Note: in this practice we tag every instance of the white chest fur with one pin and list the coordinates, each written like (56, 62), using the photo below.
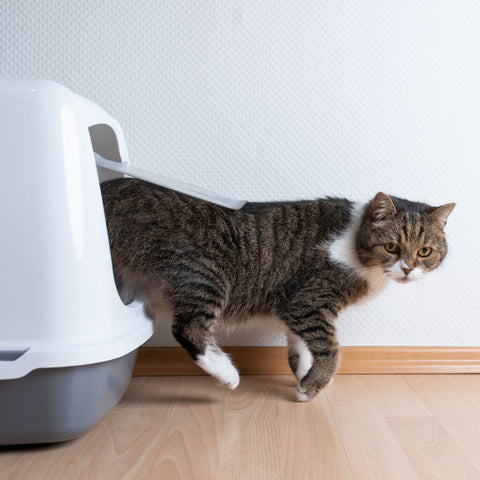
(342, 250)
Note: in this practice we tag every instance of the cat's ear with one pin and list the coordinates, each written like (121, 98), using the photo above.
(383, 207)
(439, 215)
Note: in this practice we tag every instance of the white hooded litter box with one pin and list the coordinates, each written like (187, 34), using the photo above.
(67, 342)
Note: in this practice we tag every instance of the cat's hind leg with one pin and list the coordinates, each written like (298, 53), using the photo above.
(218, 364)
(193, 331)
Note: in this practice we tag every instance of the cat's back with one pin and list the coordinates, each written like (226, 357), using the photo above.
(144, 208)
(130, 195)
(137, 205)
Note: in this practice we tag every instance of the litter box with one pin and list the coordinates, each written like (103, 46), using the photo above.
(67, 342)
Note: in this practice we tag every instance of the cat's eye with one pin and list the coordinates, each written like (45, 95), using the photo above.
(392, 247)
(424, 252)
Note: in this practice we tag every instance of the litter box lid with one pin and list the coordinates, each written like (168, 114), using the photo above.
(133, 329)
(59, 305)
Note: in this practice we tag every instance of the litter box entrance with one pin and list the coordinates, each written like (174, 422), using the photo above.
(105, 143)
(110, 165)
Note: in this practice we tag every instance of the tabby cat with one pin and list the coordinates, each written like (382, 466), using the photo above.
(302, 261)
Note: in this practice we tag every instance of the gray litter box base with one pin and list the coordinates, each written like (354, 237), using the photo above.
(57, 404)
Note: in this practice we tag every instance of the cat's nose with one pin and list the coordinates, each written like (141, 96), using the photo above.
(406, 270)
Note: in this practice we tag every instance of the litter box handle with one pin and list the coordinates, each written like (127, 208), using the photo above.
(93, 114)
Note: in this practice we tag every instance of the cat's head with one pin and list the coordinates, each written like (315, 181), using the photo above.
(405, 239)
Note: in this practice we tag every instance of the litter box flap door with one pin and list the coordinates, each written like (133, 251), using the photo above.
(56, 279)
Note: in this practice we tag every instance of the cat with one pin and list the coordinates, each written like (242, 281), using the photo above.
(302, 261)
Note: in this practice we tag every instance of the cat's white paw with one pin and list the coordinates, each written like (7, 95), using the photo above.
(301, 395)
(230, 382)
(301, 392)
(218, 364)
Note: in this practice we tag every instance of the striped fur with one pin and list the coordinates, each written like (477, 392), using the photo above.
(215, 266)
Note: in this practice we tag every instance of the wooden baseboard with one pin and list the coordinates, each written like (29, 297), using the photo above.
(355, 360)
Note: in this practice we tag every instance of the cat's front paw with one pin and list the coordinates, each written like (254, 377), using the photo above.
(307, 390)
(301, 394)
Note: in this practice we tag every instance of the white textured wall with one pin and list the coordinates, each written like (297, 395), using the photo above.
(283, 100)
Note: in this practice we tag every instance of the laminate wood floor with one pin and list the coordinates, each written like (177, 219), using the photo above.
(370, 427)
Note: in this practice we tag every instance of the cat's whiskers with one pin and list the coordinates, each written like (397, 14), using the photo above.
(375, 283)
(360, 272)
